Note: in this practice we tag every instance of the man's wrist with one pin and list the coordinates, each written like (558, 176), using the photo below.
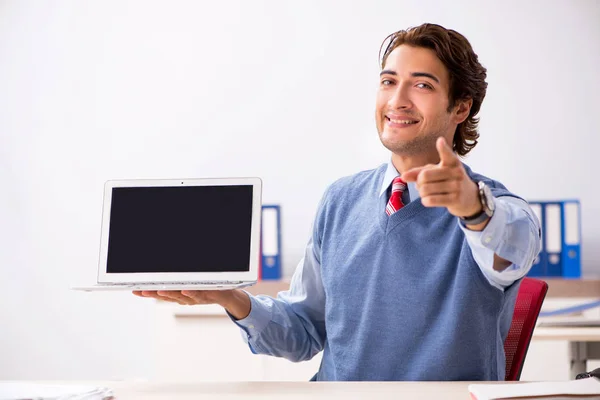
(473, 214)
(478, 227)
(477, 206)
(485, 205)
(237, 303)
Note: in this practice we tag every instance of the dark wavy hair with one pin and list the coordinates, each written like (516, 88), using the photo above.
(467, 75)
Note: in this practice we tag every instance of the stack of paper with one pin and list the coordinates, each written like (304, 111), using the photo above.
(588, 388)
(33, 391)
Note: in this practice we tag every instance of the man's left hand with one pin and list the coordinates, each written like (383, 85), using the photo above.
(446, 184)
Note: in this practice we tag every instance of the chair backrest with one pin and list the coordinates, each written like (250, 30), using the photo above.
(527, 308)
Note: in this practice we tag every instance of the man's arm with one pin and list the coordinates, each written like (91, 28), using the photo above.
(499, 264)
(508, 243)
(292, 325)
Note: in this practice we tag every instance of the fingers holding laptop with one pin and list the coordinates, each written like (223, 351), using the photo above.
(184, 297)
(154, 295)
(236, 302)
(172, 296)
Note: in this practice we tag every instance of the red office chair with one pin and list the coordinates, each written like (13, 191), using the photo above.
(527, 308)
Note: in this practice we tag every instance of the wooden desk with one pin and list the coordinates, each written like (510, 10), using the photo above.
(287, 390)
(584, 344)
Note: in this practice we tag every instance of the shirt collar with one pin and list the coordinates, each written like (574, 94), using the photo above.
(390, 174)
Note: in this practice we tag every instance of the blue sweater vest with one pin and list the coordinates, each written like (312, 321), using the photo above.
(405, 300)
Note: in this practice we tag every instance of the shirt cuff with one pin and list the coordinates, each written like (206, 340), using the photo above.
(257, 320)
(492, 235)
(484, 244)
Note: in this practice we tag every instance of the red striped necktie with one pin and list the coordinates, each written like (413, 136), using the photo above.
(395, 201)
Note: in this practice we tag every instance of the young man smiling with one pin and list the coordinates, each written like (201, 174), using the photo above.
(412, 268)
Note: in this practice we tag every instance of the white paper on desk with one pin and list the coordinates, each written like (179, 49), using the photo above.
(34, 391)
(588, 388)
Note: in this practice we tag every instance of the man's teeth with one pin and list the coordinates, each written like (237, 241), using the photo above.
(402, 121)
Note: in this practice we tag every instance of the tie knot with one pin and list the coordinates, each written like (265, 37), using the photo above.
(398, 184)
(395, 201)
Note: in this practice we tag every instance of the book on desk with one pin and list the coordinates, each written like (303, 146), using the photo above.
(588, 388)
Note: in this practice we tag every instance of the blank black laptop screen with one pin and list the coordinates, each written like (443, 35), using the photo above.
(180, 229)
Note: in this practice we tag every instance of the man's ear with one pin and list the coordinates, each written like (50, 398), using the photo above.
(462, 109)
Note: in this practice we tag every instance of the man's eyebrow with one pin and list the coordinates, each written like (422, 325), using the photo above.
(426, 75)
(413, 74)
(387, 72)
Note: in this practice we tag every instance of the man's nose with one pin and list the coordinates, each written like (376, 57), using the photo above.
(400, 98)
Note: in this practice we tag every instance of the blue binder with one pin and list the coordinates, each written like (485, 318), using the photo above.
(561, 239)
(271, 242)
(540, 264)
(571, 239)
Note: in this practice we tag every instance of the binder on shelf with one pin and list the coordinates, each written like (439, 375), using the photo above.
(561, 239)
(554, 238)
(571, 239)
(540, 264)
(270, 263)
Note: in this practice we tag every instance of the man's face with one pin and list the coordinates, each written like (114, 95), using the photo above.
(412, 102)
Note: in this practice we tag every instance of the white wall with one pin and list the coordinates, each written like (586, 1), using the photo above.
(91, 91)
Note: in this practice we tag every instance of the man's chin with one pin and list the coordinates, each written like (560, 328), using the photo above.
(408, 147)
(395, 142)
(397, 147)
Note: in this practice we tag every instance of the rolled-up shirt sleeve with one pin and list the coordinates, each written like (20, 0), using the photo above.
(513, 233)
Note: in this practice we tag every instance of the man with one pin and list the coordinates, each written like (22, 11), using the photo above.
(412, 269)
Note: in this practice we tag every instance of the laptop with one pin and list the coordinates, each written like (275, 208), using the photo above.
(186, 234)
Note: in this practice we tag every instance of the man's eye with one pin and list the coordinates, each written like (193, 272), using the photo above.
(386, 82)
(424, 86)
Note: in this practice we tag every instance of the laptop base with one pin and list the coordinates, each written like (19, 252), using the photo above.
(166, 286)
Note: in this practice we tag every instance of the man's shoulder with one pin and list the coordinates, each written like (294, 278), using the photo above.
(359, 179)
(497, 187)
(475, 176)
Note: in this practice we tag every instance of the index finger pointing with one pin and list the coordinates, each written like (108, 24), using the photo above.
(447, 156)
